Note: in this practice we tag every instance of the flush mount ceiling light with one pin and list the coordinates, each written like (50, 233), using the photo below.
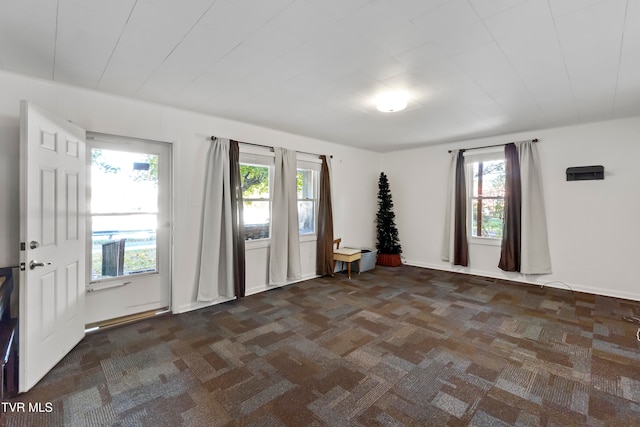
(390, 102)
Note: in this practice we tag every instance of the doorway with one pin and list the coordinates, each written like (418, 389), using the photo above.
(128, 228)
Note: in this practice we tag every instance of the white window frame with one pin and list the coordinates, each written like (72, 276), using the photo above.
(471, 157)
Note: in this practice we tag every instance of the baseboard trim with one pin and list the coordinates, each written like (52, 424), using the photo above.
(517, 277)
(248, 291)
(263, 288)
(198, 305)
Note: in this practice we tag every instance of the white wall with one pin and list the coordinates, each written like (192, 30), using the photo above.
(355, 171)
(594, 226)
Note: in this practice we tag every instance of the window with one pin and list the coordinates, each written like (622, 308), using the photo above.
(256, 179)
(307, 200)
(486, 207)
(257, 200)
(123, 213)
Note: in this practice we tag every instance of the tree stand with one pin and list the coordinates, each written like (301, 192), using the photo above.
(389, 260)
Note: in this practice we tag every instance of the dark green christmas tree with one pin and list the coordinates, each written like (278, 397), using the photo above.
(387, 233)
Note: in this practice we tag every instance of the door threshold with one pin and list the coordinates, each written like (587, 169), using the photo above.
(118, 321)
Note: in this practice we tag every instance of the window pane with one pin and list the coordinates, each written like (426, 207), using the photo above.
(474, 217)
(493, 178)
(306, 216)
(306, 208)
(123, 182)
(255, 181)
(256, 219)
(488, 192)
(474, 187)
(305, 184)
(255, 185)
(492, 218)
(115, 235)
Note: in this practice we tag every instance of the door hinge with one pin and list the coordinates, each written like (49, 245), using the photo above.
(23, 266)
(23, 246)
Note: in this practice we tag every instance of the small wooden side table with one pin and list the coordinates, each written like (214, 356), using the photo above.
(347, 255)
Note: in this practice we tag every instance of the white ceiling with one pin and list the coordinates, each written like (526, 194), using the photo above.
(473, 67)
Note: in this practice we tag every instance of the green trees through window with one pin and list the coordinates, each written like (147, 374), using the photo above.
(124, 206)
(257, 200)
(487, 198)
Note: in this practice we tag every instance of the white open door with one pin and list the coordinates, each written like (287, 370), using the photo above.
(52, 235)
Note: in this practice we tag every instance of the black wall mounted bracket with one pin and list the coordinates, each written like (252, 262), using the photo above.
(584, 173)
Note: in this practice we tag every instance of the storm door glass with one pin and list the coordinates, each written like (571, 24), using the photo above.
(124, 213)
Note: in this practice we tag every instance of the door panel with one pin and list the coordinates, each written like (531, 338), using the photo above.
(73, 209)
(47, 190)
(52, 200)
(74, 287)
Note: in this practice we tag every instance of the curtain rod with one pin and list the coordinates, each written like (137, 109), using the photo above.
(213, 138)
(495, 145)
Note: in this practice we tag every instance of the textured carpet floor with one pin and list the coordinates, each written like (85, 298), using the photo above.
(391, 347)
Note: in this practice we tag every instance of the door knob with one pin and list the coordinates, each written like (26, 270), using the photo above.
(33, 244)
(33, 264)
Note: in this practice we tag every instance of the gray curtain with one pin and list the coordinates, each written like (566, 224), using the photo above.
(284, 259)
(525, 247)
(214, 273)
(237, 223)
(534, 241)
(447, 239)
(324, 244)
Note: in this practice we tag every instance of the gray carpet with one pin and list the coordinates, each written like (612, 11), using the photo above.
(391, 347)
